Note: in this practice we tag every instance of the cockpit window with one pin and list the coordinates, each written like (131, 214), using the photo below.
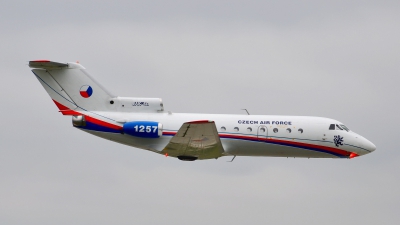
(332, 127)
(344, 127)
(339, 127)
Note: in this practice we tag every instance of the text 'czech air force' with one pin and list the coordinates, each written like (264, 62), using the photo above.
(264, 122)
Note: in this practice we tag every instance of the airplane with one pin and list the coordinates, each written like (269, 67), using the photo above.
(142, 123)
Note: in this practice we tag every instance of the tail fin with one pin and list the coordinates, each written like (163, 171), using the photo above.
(71, 87)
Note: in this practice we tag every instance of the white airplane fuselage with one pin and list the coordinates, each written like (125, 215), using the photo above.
(242, 135)
(143, 123)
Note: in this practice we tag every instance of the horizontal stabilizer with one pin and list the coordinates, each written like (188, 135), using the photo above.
(47, 64)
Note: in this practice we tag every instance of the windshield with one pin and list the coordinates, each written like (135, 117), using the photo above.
(344, 127)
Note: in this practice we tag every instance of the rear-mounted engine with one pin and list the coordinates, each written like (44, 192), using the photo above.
(78, 121)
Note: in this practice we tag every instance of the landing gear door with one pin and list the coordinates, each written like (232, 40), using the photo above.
(262, 133)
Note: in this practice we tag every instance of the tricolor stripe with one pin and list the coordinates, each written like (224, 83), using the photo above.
(99, 125)
(91, 122)
(302, 145)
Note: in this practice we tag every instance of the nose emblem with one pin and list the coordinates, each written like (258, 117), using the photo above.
(338, 140)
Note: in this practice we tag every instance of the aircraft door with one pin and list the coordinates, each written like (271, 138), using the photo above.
(262, 133)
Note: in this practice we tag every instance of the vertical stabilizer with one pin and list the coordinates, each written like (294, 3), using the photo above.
(71, 87)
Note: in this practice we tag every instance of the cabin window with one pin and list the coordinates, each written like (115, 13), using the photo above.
(249, 129)
(223, 128)
(332, 127)
(300, 130)
(289, 130)
(236, 129)
(275, 130)
(262, 130)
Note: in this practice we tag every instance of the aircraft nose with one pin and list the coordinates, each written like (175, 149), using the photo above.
(370, 146)
(366, 144)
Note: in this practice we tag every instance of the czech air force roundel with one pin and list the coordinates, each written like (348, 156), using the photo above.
(86, 91)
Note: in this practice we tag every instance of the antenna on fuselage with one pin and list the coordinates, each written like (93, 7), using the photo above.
(246, 111)
(232, 159)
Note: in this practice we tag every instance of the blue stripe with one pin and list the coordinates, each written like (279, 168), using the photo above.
(290, 145)
(283, 144)
(309, 148)
(96, 127)
(284, 138)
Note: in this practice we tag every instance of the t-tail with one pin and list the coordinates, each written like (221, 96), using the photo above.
(75, 92)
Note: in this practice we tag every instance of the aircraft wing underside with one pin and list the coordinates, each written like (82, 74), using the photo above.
(195, 140)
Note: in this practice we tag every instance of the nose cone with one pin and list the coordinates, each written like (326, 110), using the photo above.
(369, 145)
(366, 144)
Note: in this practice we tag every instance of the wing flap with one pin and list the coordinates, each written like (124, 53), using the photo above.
(198, 139)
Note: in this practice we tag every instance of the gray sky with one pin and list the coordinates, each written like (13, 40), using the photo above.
(336, 59)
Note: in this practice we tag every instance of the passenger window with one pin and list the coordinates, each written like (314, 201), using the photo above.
(300, 130)
(249, 129)
(275, 130)
(289, 130)
(236, 129)
(262, 129)
(332, 127)
(223, 128)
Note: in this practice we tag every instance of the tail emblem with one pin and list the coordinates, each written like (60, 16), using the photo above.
(86, 91)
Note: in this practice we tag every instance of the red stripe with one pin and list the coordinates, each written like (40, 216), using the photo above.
(200, 121)
(66, 111)
(242, 137)
(70, 113)
(277, 141)
(41, 60)
(60, 106)
(300, 144)
(168, 133)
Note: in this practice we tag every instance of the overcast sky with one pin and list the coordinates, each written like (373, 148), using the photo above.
(336, 59)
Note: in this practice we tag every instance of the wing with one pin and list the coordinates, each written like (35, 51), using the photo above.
(195, 140)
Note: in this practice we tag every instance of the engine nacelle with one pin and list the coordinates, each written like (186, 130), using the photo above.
(78, 121)
(144, 129)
